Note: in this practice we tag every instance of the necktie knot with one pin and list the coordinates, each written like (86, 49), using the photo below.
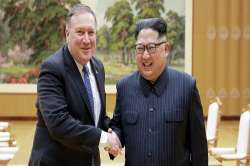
(85, 70)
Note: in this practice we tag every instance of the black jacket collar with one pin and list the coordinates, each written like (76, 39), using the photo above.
(158, 87)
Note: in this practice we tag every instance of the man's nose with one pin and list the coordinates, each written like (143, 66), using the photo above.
(145, 54)
(85, 38)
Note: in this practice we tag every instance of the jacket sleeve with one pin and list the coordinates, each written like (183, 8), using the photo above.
(197, 135)
(106, 119)
(115, 122)
(54, 110)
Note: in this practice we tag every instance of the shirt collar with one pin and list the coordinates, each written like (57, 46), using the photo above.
(157, 88)
(80, 67)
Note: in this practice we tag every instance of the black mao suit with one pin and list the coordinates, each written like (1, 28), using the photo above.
(160, 124)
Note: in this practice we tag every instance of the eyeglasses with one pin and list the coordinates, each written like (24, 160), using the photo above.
(151, 47)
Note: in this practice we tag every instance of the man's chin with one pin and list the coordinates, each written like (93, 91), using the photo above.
(86, 56)
(86, 53)
(147, 75)
(84, 59)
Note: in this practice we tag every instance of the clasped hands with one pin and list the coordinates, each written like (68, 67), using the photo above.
(113, 143)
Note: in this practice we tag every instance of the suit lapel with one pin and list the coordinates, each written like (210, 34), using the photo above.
(74, 73)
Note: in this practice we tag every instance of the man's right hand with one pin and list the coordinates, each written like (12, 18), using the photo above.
(113, 143)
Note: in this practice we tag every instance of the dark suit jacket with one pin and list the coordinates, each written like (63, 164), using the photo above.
(160, 125)
(65, 133)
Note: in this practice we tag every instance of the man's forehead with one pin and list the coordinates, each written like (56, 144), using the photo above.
(148, 32)
(83, 19)
(147, 35)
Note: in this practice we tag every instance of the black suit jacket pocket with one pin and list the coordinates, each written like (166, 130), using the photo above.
(174, 116)
(131, 117)
(175, 125)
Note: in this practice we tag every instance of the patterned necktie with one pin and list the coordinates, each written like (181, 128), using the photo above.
(87, 85)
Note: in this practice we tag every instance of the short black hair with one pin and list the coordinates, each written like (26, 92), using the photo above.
(157, 24)
(79, 8)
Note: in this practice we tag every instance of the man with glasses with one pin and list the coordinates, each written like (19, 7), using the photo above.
(158, 115)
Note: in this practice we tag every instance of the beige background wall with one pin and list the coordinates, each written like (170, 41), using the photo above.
(221, 52)
(17, 105)
(18, 101)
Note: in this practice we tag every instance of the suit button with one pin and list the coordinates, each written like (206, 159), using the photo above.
(150, 130)
(151, 109)
(149, 154)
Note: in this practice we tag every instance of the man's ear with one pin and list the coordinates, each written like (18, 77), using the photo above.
(167, 48)
(67, 34)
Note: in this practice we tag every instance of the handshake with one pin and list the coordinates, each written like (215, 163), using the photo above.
(113, 145)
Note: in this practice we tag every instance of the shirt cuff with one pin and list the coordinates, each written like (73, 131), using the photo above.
(104, 138)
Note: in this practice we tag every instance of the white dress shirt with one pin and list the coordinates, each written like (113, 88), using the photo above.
(96, 98)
